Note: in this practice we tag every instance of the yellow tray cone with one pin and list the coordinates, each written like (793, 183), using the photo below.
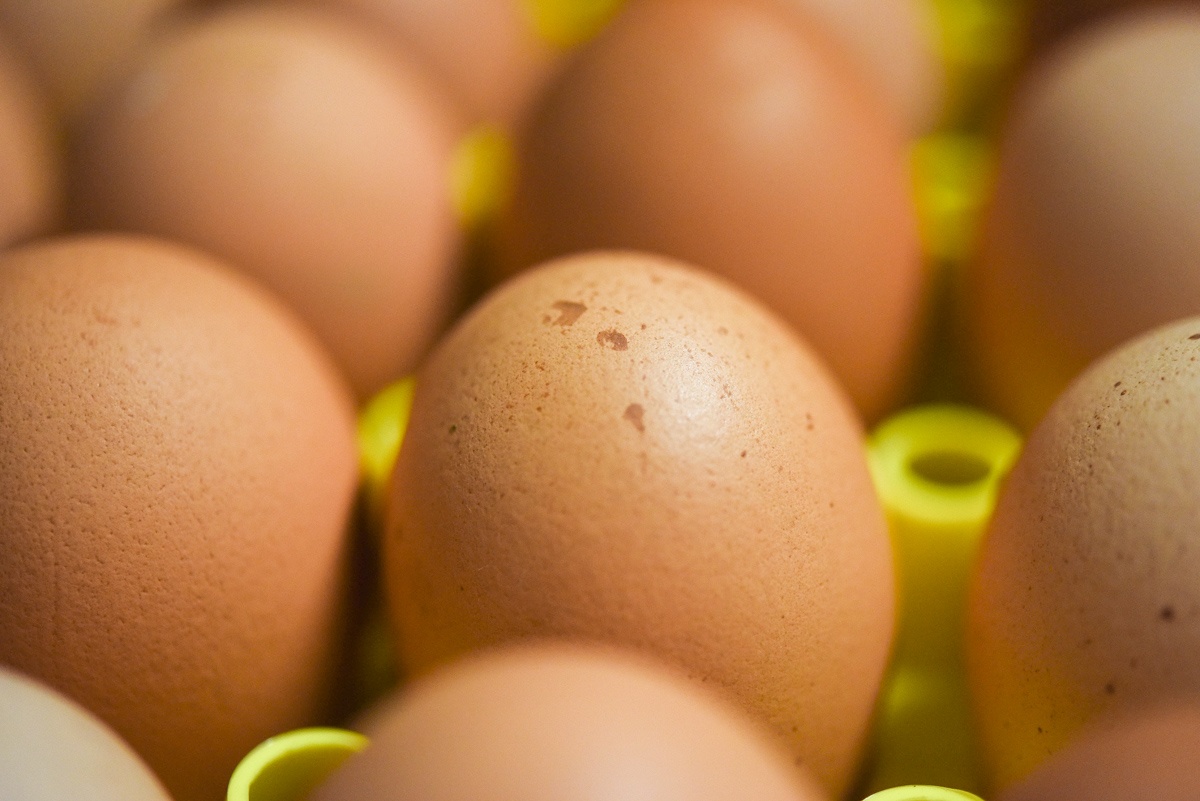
(292, 765)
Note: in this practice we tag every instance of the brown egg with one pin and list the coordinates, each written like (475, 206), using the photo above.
(553, 722)
(895, 43)
(733, 136)
(616, 447)
(1151, 756)
(286, 143)
(77, 45)
(29, 161)
(53, 749)
(177, 468)
(487, 51)
(1090, 238)
(1086, 597)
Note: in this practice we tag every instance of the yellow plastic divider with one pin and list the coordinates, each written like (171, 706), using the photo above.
(922, 792)
(937, 470)
(381, 426)
(292, 765)
(569, 23)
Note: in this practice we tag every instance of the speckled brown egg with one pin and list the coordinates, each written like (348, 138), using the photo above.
(734, 135)
(618, 447)
(29, 159)
(288, 143)
(53, 749)
(1090, 238)
(177, 467)
(1153, 755)
(1086, 598)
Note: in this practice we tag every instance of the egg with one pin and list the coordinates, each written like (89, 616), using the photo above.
(735, 137)
(1090, 238)
(76, 46)
(30, 192)
(894, 41)
(51, 749)
(617, 447)
(1086, 597)
(177, 471)
(291, 145)
(551, 722)
(495, 55)
(1150, 756)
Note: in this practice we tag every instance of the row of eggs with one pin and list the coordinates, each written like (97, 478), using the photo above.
(1027, 323)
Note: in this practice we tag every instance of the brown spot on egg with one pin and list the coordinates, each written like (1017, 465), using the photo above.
(1194, 336)
(613, 339)
(568, 312)
(634, 413)
(1167, 614)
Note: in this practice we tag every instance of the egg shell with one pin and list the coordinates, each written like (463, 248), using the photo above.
(1086, 597)
(487, 52)
(616, 447)
(1150, 756)
(52, 749)
(76, 46)
(551, 722)
(893, 41)
(736, 137)
(177, 469)
(1090, 237)
(30, 180)
(294, 146)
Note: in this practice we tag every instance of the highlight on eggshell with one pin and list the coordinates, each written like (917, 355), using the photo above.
(289, 766)
(937, 469)
(1084, 598)
(51, 749)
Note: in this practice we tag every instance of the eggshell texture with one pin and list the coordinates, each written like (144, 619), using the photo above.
(614, 447)
(1151, 756)
(29, 164)
(1086, 597)
(285, 142)
(552, 722)
(734, 136)
(487, 51)
(177, 468)
(53, 749)
(75, 46)
(894, 42)
(1091, 237)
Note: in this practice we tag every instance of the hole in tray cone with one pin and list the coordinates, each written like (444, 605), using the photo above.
(937, 470)
(290, 766)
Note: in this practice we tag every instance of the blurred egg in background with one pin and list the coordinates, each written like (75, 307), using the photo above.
(740, 138)
(288, 142)
(30, 162)
(547, 722)
(1090, 237)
